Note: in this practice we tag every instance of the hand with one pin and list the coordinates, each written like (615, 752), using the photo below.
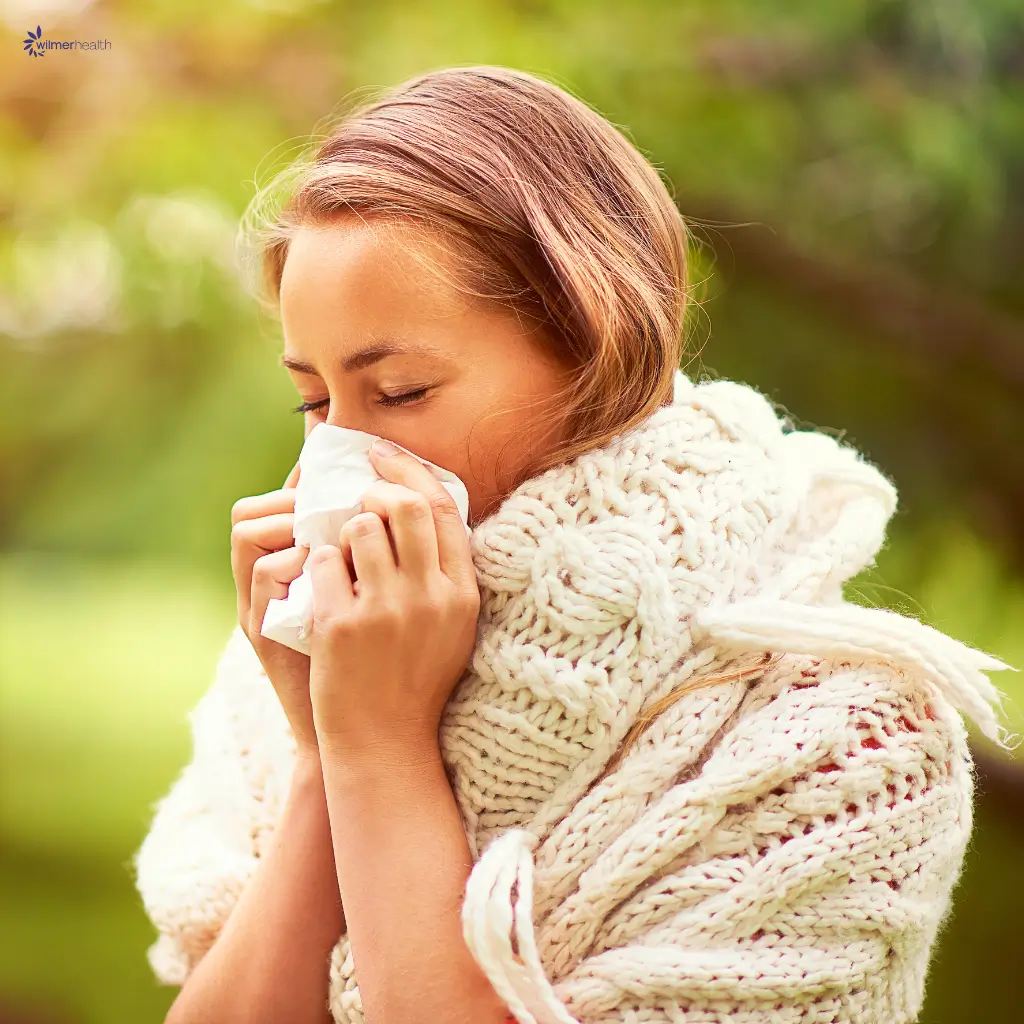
(264, 560)
(395, 609)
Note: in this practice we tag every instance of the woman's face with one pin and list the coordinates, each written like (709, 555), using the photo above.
(377, 342)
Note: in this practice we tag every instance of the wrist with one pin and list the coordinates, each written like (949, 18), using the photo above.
(307, 768)
(307, 751)
(392, 757)
(307, 788)
(364, 746)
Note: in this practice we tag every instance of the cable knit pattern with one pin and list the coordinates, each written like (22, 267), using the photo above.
(779, 844)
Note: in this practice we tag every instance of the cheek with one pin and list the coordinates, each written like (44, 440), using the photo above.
(495, 459)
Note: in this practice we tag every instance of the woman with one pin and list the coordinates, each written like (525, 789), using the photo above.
(625, 753)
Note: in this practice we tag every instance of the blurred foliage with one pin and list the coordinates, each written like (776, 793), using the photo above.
(854, 177)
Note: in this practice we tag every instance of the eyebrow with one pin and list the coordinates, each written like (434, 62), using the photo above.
(372, 353)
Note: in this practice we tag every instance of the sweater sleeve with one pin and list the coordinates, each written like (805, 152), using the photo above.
(205, 836)
(801, 875)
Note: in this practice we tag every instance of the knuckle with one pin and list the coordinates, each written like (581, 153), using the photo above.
(443, 505)
(239, 510)
(378, 489)
(363, 523)
(321, 553)
(428, 604)
(413, 505)
(261, 570)
(241, 532)
(468, 600)
(385, 612)
(332, 626)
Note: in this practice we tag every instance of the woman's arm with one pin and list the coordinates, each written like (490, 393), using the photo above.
(271, 961)
(402, 861)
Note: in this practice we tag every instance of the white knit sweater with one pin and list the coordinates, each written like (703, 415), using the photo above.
(779, 845)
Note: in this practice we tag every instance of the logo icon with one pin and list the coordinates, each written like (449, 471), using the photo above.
(32, 44)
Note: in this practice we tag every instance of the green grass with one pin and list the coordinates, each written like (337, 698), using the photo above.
(99, 667)
(72, 943)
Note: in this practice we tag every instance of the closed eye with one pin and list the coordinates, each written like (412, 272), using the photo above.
(402, 399)
(386, 400)
(312, 406)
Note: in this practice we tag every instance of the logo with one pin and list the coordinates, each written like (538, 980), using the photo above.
(33, 45)
(37, 46)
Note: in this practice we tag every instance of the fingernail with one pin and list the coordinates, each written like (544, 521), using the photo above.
(383, 448)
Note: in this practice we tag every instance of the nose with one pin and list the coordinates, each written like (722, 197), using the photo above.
(337, 418)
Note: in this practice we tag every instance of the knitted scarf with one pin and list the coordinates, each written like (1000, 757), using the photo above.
(697, 783)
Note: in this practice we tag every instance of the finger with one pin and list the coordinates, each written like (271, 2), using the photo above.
(331, 582)
(258, 505)
(251, 538)
(267, 533)
(452, 541)
(365, 538)
(410, 525)
(271, 576)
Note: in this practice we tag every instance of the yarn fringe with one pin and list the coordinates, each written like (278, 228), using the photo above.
(489, 919)
(854, 632)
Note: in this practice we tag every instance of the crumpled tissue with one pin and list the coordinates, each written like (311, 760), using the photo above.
(334, 472)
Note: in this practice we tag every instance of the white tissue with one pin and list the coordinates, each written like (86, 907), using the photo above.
(334, 472)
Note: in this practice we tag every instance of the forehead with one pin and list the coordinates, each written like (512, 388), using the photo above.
(349, 285)
(351, 260)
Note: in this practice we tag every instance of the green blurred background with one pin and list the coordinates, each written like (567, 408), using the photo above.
(855, 176)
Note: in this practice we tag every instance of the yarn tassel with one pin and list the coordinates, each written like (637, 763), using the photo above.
(488, 918)
(844, 630)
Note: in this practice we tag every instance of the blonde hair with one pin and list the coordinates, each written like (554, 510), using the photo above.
(549, 209)
(644, 721)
